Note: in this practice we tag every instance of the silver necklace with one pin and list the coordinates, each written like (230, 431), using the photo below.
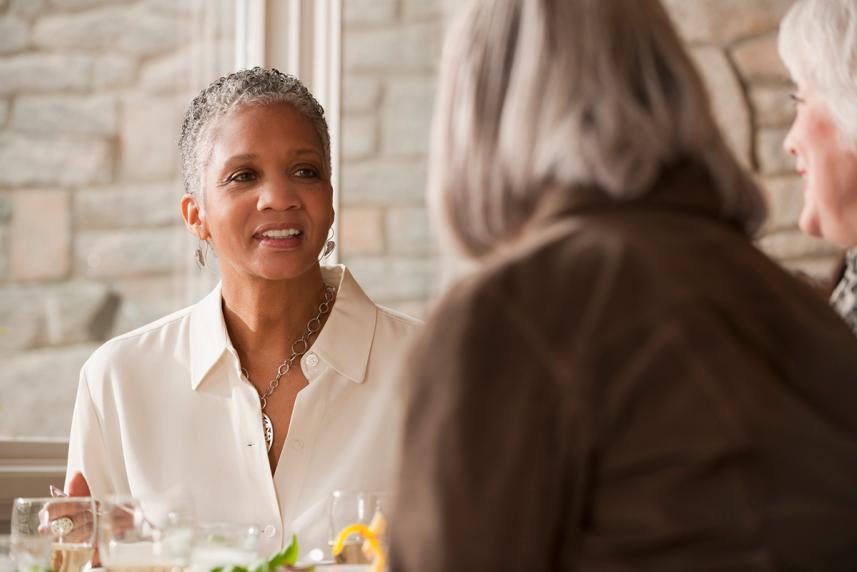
(299, 348)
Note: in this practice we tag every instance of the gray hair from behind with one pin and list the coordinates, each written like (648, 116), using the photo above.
(256, 86)
(818, 43)
(543, 95)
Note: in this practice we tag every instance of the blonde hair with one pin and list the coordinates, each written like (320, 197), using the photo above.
(818, 43)
(538, 95)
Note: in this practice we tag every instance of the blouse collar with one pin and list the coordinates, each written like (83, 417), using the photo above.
(343, 343)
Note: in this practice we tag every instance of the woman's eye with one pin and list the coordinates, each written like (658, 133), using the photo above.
(307, 173)
(242, 177)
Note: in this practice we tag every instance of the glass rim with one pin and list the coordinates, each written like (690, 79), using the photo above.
(52, 499)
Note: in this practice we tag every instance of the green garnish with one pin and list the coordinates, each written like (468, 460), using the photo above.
(283, 559)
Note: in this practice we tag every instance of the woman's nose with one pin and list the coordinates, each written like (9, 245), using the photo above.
(278, 194)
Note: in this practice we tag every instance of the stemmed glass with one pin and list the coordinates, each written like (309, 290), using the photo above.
(139, 536)
(357, 507)
(53, 534)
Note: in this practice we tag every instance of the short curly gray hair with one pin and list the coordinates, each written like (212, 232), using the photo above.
(256, 86)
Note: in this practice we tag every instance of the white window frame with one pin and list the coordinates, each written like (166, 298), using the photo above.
(303, 38)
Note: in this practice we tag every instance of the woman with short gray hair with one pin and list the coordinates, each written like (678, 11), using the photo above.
(279, 387)
(625, 382)
(818, 43)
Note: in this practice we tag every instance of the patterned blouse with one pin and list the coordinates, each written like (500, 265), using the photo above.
(844, 297)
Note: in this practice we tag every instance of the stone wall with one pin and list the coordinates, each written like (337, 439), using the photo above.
(91, 92)
(390, 52)
(91, 97)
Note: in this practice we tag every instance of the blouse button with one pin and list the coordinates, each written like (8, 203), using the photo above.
(270, 531)
(311, 360)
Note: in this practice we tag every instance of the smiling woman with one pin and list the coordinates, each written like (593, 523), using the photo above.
(280, 386)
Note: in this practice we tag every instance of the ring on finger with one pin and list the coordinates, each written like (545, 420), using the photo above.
(62, 526)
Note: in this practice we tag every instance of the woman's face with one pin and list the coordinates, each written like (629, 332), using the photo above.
(829, 170)
(268, 203)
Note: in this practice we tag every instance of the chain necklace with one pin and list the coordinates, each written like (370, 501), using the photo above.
(299, 348)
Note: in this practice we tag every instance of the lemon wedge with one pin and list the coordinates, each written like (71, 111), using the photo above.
(378, 560)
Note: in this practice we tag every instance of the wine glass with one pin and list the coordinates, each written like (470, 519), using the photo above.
(358, 507)
(138, 536)
(53, 534)
(224, 545)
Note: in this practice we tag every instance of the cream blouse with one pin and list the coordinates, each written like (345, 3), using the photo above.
(163, 410)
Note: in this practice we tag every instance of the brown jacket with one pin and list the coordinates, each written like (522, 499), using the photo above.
(636, 388)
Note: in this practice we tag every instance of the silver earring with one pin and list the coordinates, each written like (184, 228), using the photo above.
(329, 245)
(199, 255)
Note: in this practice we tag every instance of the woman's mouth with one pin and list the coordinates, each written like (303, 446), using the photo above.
(284, 238)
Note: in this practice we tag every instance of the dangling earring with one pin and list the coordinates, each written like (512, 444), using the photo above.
(329, 245)
(199, 255)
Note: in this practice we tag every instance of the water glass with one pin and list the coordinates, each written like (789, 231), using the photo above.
(224, 545)
(151, 536)
(356, 507)
(53, 533)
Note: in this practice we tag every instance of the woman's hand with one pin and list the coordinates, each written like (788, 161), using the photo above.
(70, 520)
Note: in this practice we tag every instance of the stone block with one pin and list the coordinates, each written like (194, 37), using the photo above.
(758, 59)
(111, 71)
(38, 389)
(137, 252)
(785, 202)
(360, 94)
(51, 114)
(772, 157)
(5, 207)
(772, 106)
(176, 71)
(14, 35)
(79, 4)
(408, 231)
(27, 8)
(725, 21)
(129, 206)
(184, 8)
(127, 29)
(144, 300)
(409, 47)
(361, 231)
(39, 73)
(359, 137)
(41, 235)
(414, 10)
(4, 251)
(793, 244)
(149, 131)
(406, 120)
(67, 313)
(382, 182)
(820, 270)
(388, 280)
(372, 12)
(728, 100)
(53, 161)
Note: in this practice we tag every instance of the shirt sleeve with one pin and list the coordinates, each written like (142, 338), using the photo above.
(482, 477)
(87, 453)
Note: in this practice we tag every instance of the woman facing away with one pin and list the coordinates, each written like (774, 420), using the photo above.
(280, 385)
(627, 382)
(818, 43)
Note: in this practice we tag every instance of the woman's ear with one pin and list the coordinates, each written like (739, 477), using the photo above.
(193, 217)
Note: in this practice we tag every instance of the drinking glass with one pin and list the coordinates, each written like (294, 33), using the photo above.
(6, 562)
(53, 534)
(137, 536)
(225, 545)
(357, 507)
